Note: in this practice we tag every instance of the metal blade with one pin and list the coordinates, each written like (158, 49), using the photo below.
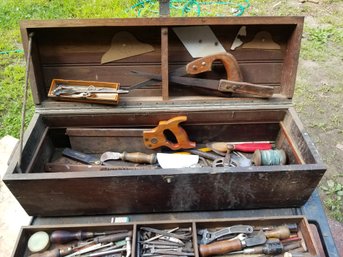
(187, 81)
(110, 156)
(259, 239)
(81, 157)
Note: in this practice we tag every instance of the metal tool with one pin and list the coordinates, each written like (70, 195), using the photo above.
(90, 159)
(172, 242)
(248, 147)
(222, 161)
(84, 91)
(232, 84)
(231, 245)
(239, 160)
(208, 237)
(271, 247)
(156, 137)
(82, 157)
(136, 157)
(66, 167)
(199, 41)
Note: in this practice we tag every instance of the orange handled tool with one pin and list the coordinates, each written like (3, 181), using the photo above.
(156, 137)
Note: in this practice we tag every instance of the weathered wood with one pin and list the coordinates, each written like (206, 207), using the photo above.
(66, 194)
(72, 50)
(195, 224)
(164, 63)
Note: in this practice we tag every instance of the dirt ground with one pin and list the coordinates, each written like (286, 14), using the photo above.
(318, 96)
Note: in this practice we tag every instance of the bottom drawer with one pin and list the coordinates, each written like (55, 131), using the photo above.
(281, 236)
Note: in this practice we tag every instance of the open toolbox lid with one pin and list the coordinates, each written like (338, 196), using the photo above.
(73, 49)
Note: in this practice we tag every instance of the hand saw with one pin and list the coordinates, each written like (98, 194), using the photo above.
(233, 83)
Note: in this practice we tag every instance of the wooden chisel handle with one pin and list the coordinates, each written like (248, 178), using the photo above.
(281, 232)
(138, 157)
(220, 247)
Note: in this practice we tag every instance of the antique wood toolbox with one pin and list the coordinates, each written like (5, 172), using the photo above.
(267, 236)
(73, 50)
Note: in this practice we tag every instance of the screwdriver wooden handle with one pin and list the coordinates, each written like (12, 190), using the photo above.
(62, 236)
(281, 232)
(220, 247)
(138, 157)
(54, 253)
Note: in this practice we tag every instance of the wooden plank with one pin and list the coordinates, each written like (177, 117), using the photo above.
(179, 21)
(68, 196)
(87, 45)
(151, 119)
(291, 143)
(164, 63)
(289, 71)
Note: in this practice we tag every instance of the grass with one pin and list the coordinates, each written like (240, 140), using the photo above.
(334, 199)
(322, 42)
(12, 65)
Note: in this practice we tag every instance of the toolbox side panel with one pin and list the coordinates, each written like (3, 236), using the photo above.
(165, 192)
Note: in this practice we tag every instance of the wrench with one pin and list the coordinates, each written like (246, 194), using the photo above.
(208, 237)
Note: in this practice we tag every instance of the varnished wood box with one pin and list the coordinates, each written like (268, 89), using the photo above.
(72, 50)
(306, 242)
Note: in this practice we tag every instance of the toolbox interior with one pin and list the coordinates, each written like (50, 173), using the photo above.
(201, 127)
(70, 51)
(304, 231)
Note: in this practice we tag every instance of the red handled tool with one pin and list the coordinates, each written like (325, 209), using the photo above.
(242, 147)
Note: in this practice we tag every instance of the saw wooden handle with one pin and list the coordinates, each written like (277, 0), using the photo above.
(138, 157)
(204, 64)
(155, 137)
(245, 88)
(220, 247)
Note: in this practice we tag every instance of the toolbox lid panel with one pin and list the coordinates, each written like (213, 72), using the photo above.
(72, 50)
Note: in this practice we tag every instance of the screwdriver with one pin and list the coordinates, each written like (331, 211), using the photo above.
(62, 236)
(242, 147)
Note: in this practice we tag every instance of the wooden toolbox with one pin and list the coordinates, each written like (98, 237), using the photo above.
(73, 49)
(276, 236)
